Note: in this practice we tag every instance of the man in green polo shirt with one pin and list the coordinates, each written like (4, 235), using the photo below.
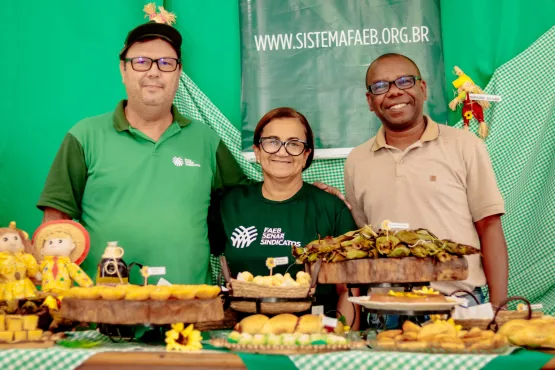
(143, 174)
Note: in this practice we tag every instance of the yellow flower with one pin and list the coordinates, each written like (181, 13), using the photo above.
(468, 115)
(270, 263)
(180, 339)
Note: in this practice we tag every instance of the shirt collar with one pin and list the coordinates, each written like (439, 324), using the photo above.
(430, 133)
(121, 123)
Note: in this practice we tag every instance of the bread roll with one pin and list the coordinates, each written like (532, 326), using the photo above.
(309, 324)
(280, 324)
(252, 324)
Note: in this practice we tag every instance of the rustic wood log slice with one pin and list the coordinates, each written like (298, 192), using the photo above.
(393, 270)
(143, 312)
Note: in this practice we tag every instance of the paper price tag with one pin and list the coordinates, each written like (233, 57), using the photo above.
(487, 97)
(329, 322)
(317, 310)
(278, 261)
(156, 271)
(163, 282)
(399, 226)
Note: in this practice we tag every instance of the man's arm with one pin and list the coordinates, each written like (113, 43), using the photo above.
(487, 206)
(52, 214)
(228, 171)
(64, 187)
(495, 257)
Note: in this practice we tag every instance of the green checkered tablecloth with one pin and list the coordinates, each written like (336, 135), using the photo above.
(520, 144)
(355, 360)
(62, 358)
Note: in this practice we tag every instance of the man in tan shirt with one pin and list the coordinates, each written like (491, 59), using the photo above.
(428, 175)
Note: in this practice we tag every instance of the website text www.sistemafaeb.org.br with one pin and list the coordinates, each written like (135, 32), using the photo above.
(331, 39)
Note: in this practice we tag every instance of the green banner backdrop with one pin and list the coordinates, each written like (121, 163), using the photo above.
(313, 55)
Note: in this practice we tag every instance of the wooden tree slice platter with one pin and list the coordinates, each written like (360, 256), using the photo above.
(392, 270)
(143, 312)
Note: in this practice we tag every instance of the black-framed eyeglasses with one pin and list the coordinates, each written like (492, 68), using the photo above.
(143, 64)
(272, 145)
(402, 83)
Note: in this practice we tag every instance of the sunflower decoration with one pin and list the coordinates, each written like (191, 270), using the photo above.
(468, 115)
(180, 338)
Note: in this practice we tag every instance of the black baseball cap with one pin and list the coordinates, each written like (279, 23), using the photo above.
(153, 29)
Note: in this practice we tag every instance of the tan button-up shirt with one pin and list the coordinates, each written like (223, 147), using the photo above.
(444, 182)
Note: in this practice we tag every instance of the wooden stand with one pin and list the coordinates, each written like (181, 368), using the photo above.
(392, 270)
(143, 312)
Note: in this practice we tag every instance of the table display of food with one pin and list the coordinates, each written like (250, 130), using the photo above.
(272, 309)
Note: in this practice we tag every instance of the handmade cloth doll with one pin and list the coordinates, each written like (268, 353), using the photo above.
(17, 265)
(62, 245)
(471, 108)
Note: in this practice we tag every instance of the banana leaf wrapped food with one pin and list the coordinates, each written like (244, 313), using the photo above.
(366, 243)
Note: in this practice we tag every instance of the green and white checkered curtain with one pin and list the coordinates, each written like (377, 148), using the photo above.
(522, 149)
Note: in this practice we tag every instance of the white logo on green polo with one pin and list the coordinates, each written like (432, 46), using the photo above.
(179, 162)
(242, 236)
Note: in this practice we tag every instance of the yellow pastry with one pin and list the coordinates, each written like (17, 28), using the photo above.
(409, 326)
(184, 291)
(207, 291)
(34, 334)
(112, 293)
(284, 323)
(161, 293)
(19, 336)
(2, 322)
(14, 322)
(252, 324)
(137, 294)
(309, 324)
(30, 322)
(6, 336)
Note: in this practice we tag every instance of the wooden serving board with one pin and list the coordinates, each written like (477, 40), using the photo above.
(27, 344)
(392, 270)
(143, 312)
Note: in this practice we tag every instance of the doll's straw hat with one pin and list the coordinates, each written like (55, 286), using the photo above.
(64, 229)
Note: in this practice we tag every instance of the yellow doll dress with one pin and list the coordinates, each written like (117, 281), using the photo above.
(14, 271)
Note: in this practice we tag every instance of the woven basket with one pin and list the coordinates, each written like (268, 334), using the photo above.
(251, 290)
(502, 318)
(229, 321)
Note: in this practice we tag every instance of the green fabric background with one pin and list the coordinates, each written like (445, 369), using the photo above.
(61, 65)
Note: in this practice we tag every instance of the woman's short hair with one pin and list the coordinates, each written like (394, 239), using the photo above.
(286, 112)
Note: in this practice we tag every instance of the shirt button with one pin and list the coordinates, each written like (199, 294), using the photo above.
(401, 161)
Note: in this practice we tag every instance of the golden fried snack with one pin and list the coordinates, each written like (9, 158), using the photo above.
(184, 291)
(387, 343)
(412, 345)
(112, 293)
(137, 294)
(409, 326)
(444, 338)
(462, 333)
(432, 330)
(484, 344)
(513, 326)
(500, 341)
(252, 324)
(452, 346)
(406, 337)
(389, 334)
(160, 293)
(207, 291)
(474, 333)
